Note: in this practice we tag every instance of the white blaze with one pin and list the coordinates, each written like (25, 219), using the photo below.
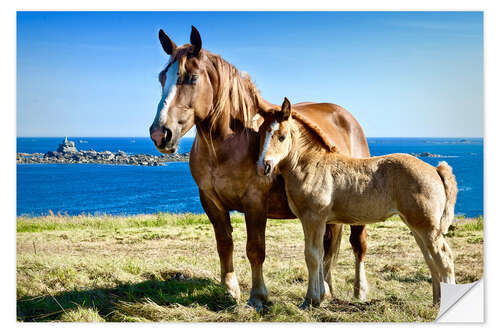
(168, 94)
(273, 128)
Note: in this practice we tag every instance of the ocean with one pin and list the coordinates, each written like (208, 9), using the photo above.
(125, 189)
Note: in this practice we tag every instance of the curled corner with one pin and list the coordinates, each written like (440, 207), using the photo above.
(462, 303)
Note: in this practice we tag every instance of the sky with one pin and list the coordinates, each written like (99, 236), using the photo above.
(401, 74)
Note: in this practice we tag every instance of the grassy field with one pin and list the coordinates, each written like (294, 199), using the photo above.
(165, 268)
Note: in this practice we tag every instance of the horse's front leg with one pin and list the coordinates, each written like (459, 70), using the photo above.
(314, 231)
(223, 235)
(358, 243)
(256, 218)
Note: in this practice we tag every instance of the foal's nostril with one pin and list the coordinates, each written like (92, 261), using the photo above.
(267, 168)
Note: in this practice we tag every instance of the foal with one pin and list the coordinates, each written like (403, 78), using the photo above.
(327, 187)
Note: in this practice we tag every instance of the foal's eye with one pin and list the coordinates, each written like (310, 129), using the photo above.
(281, 138)
(194, 78)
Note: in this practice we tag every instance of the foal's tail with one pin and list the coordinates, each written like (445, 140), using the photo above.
(451, 190)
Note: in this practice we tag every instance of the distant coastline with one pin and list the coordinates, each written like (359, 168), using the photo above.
(67, 153)
(94, 157)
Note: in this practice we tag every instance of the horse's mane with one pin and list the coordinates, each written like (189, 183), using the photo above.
(236, 94)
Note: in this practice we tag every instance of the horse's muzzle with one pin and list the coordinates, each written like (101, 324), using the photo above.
(161, 136)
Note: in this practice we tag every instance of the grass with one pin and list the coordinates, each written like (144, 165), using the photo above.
(165, 268)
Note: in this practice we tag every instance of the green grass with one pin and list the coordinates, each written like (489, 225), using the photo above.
(165, 267)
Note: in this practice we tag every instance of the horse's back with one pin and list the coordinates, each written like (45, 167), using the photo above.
(335, 125)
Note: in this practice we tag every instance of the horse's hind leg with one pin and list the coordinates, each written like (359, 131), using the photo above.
(314, 231)
(331, 245)
(223, 230)
(358, 243)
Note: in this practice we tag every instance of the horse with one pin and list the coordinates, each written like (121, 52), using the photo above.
(201, 88)
(325, 187)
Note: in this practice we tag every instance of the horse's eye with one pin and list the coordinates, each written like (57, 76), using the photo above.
(281, 138)
(194, 78)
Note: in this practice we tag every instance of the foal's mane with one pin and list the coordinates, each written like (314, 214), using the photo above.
(306, 141)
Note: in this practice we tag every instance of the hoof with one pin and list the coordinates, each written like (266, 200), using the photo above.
(305, 306)
(308, 305)
(257, 304)
(258, 298)
(232, 286)
(327, 294)
(361, 295)
(234, 293)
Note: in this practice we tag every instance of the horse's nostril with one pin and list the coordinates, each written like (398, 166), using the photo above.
(163, 129)
(162, 144)
(168, 134)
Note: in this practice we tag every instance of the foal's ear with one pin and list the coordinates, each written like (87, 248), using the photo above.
(167, 44)
(195, 40)
(286, 109)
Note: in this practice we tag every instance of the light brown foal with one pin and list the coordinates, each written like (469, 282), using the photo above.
(325, 187)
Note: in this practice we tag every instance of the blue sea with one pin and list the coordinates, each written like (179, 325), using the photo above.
(124, 189)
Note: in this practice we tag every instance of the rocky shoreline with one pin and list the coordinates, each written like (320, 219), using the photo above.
(94, 157)
(68, 154)
(426, 154)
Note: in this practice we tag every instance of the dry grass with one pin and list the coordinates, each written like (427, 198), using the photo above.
(165, 268)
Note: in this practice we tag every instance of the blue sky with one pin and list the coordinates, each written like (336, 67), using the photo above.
(399, 74)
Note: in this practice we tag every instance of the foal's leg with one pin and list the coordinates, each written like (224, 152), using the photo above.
(331, 245)
(358, 243)
(430, 263)
(223, 230)
(255, 219)
(314, 231)
(442, 257)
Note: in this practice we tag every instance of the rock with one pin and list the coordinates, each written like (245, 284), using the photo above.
(425, 154)
(67, 147)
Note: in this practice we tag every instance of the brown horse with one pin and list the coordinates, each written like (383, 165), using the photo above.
(202, 89)
(325, 187)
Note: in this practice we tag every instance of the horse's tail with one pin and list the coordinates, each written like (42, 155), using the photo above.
(451, 190)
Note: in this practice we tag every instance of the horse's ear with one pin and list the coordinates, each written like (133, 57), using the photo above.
(167, 44)
(286, 109)
(195, 40)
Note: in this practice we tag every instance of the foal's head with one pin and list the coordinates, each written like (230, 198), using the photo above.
(186, 92)
(275, 139)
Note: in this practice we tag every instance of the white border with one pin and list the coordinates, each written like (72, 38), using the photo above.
(8, 201)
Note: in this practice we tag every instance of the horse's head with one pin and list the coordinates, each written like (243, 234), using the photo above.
(275, 139)
(186, 92)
